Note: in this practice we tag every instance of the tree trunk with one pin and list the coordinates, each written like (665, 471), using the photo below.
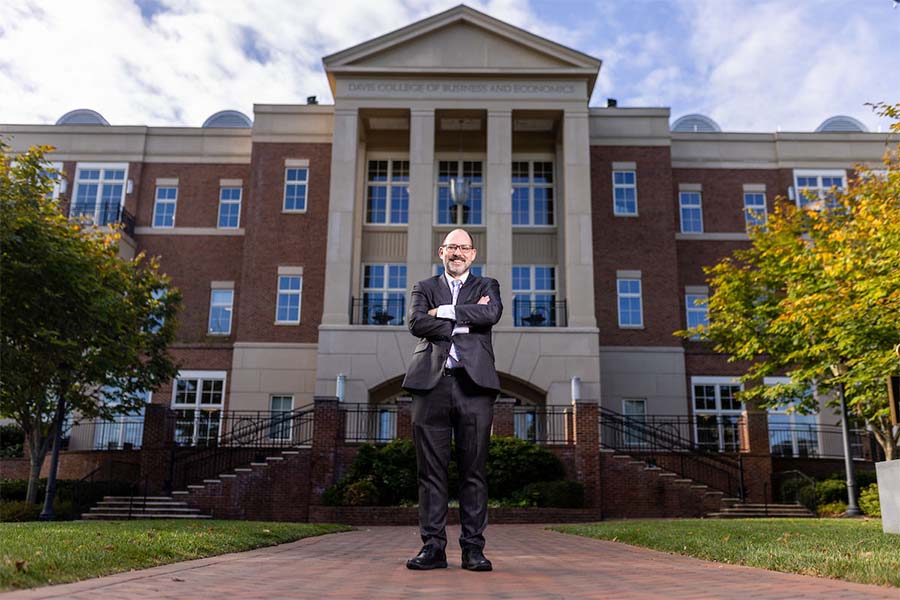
(56, 435)
(887, 437)
(37, 451)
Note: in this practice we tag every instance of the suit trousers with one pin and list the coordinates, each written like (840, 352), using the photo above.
(455, 408)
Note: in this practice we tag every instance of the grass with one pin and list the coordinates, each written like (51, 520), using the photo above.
(850, 549)
(35, 554)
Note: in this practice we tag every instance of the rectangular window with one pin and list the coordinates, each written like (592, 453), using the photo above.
(534, 296)
(716, 412)
(99, 192)
(220, 309)
(816, 189)
(448, 213)
(792, 434)
(387, 192)
(635, 412)
(691, 212)
(290, 288)
(532, 193)
(54, 172)
(624, 193)
(755, 209)
(383, 294)
(697, 311)
(295, 183)
(631, 312)
(164, 207)
(198, 399)
(229, 207)
(280, 418)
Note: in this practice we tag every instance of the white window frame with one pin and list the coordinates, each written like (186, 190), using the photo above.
(718, 412)
(531, 186)
(304, 183)
(156, 203)
(533, 291)
(629, 438)
(438, 184)
(284, 427)
(230, 310)
(386, 290)
(625, 186)
(620, 296)
(58, 179)
(762, 215)
(690, 307)
(782, 411)
(197, 406)
(297, 292)
(682, 207)
(388, 185)
(102, 167)
(222, 202)
(820, 191)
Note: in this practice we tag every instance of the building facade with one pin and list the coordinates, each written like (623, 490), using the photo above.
(296, 236)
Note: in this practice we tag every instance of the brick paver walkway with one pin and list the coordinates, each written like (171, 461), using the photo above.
(529, 562)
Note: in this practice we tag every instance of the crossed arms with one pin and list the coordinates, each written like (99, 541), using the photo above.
(424, 324)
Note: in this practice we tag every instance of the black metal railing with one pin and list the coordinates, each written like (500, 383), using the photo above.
(105, 215)
(817, 441)
(372, 423)
(540, 313)
(365, 311)
(544, 425)
(246, 436)
(670, 450)
(120, 433)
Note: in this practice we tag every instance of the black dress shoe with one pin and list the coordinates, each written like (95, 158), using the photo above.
(429, 557)
(473, 560)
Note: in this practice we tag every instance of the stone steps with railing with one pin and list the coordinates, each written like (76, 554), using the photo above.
(742, 510)
(142, 507)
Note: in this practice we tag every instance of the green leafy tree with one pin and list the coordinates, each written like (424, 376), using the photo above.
(81, 330)
(817, 297)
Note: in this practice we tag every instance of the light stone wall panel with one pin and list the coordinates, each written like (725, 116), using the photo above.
(383, 246)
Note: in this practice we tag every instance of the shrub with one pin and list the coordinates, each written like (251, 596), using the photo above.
(19, 510)
(798, 490)
(514, 463)
(12, 441)
(832, 509)
(556, 494)
(361, 493)
(869, 502)
(72, 497)
(830, 491)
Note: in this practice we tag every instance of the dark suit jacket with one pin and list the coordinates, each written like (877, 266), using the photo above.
(475, 349)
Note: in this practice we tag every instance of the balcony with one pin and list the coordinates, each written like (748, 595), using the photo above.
(539, 313)
(380, 311)
(105, 215)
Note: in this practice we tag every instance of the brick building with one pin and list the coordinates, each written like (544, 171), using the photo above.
(296, 235)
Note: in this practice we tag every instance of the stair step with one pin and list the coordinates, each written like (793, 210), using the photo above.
(257, 464)
(126, 498)
(648, 468)
(268, 458)
(196, 487)
(212, 481)
(243, 470)
(699, 486)
(101, 516)
(180, 493)
(682, 480)
(227, 476)
(621, 456)
(290, 452)
(667, 474)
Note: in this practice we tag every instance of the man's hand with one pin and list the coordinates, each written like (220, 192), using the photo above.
(484, 300)
(433, 312)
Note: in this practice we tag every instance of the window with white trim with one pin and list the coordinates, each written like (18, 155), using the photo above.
(817, 188)
(295, 187)
(99, 192)
(198, 398)
(635, 412)
(791, 434)
(229, 207)
(164, 206)
(127, 428)
(717, 413)
(691, 209)
(280, 408)
(448, 213)
(534, 296)
(220, 310)
(625, 193)
(532, 193)
(755, 210)
(54, 172)
(383, 294)
(697, 309)
(387, 192)
(290, 288)
(630, 302)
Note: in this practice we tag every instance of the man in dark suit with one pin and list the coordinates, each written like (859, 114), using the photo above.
(453, 384)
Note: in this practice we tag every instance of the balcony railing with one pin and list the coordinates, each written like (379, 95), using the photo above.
(539, 313)
(106, 215)
(818, 441)
(544, 425)
(122, 433)
(372, 423)
(365, 311)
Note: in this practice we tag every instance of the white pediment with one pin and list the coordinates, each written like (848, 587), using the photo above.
(465, 41)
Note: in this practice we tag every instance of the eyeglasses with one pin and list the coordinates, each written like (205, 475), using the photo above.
(455, 247)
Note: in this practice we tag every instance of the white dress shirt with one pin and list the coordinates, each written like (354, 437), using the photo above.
(448, 311)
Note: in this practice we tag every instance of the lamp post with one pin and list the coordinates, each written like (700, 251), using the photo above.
(459, 185)
(840, 370)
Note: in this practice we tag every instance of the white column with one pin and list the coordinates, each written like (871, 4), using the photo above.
(419, 253)
(339, 254)
(498, 206)
(579, 260)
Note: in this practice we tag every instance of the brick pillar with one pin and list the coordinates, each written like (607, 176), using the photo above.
(157, 445)
(327, 427)
(587, 450)
(503, 417)
(755, 455)
(404, 418)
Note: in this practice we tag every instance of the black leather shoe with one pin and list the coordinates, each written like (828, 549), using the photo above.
(429, 557)
(473, 560)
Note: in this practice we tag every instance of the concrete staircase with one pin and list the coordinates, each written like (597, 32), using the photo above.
(141, 507)
(734, 509)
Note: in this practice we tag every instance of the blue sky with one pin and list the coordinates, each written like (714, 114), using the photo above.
(752, 65)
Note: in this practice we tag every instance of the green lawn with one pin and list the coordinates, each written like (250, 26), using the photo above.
(850, 549)
(35, 554)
